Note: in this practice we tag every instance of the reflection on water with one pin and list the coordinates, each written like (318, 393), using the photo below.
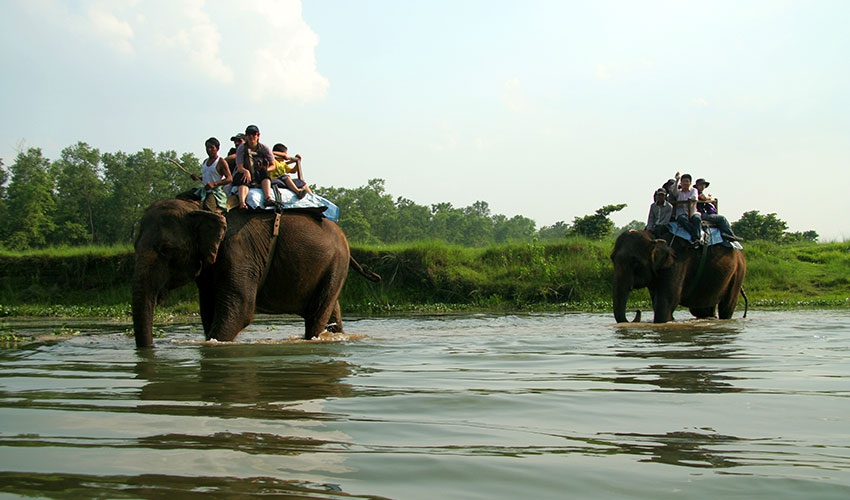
(463, 406)
(688, 449)
(251, 381)
(681, 347)
(164, 487)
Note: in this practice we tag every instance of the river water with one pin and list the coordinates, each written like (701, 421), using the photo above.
(421, 407)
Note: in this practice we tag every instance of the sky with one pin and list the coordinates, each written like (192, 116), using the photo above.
(545, 109)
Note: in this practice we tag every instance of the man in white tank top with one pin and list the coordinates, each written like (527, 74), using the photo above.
(215, 174)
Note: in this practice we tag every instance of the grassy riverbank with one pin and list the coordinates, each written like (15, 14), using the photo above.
(571, 275)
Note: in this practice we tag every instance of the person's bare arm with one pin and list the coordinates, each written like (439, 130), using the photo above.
(240, 167)
(224, 171)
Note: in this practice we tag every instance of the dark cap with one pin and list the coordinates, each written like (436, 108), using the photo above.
(238, 137)
(252, 129)
(701, 181)
(660, 191)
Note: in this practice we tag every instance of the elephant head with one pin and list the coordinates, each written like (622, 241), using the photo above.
(638, 261)
(175, 241)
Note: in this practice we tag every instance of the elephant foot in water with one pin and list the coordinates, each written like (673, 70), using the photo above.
(333, 328)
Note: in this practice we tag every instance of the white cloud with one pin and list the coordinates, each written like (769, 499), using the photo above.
(611, 71)
(117, 34)
(197, 40)
(284, 62)
(448, 140)
(513, 96)
(603, 73)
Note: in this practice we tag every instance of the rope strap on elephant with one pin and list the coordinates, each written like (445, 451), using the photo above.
(700, 268)
(275, 232)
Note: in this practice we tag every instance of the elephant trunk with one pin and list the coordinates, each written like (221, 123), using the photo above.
(146, 288)
(622, 289)
(143, 308)
(621, 298)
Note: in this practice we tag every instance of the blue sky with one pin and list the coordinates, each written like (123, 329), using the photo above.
(546, 109)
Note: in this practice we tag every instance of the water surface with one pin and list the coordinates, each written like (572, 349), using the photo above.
(458, 406)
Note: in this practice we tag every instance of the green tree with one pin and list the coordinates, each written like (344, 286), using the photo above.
(754, 226)
(598, 225)
(4, 207)
(447, 222)
(517, 228)
(30, 192)
(82, 195)
(556, 231)
(413, 222)
(797, 236)
(633, 225)
(477, 225)
(135, 181)
(378, 207)
(355, 213)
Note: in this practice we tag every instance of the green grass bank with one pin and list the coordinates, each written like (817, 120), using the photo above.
(571, 275)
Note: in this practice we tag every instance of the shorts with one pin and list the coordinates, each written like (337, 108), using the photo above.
(257, 175)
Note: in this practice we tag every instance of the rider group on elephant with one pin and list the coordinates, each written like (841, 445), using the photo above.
(691, 206)
(249, 164)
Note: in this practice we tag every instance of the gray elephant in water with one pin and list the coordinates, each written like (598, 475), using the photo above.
(229, 259)
(706, 280)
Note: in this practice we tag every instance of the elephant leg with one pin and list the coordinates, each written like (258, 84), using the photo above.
(233, 312)
(316, 321)
(335, 321)
(206, 300)
(662, 307)
(728, 302)
(322, 308)
(703, 312)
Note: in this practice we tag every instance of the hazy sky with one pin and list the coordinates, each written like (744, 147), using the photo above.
(546, 109)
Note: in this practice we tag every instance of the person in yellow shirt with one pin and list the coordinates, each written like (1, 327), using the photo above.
(283, 166)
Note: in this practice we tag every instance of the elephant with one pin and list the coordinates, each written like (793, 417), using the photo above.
(239, 267)
(707, 280)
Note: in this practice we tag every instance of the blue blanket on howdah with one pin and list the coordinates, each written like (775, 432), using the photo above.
(288, 199)
(709, 236)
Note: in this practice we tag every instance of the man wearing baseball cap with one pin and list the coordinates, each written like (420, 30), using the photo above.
(231, 153)
(252, 164)
(659, 213)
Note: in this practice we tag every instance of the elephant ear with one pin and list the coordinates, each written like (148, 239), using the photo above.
(661, 255)
(208, 231)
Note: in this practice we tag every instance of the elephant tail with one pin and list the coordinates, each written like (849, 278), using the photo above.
(365, 272)
(746, 301)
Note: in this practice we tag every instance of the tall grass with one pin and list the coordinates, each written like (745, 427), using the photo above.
(572, 274)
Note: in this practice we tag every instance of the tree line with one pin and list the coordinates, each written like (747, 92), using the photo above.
(86, 197)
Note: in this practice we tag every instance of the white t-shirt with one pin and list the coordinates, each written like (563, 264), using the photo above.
(690, 194)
